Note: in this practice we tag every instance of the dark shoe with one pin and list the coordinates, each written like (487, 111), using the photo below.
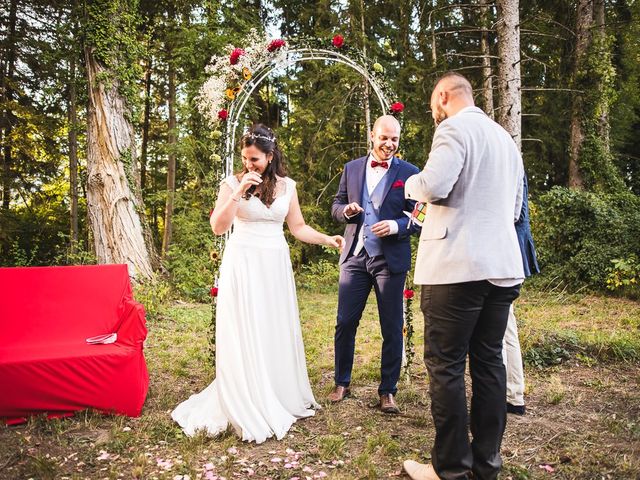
(516, 409)
(388, 404)
(339, 393)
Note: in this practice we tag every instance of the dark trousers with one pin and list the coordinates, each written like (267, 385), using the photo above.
(357, 275)
(466, 319)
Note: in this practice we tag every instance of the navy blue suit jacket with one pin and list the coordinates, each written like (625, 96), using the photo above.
(395, 248)
(525, 239)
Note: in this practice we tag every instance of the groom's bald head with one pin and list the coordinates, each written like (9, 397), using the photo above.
(387, 121)
(385, 137)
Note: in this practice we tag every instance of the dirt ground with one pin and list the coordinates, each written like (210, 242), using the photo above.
(582, 422)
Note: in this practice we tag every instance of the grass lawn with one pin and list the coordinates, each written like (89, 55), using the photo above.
(582, 422)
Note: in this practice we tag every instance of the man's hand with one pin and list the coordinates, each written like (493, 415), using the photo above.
(353, 209)
(381, 229)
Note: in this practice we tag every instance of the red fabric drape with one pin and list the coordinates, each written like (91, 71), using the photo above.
(46, 314)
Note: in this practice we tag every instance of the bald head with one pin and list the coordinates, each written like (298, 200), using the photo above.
(452, 93)
(387, 121)
(455, 84)
(385, 137)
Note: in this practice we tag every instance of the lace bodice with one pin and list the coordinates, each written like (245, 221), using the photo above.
(253, 210)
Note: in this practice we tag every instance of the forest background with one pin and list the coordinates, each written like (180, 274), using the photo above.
(578, 107)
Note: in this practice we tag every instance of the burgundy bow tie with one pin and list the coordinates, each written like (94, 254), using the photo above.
(375, 163)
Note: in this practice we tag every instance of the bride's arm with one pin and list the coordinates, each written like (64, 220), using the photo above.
(228, 200)
(225, 210)
(305, 233)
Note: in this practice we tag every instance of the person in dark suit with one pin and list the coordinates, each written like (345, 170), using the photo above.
(511, 354)
(377, 253)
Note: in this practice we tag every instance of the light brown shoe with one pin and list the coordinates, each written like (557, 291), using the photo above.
(339, 393)
(388, 404)
(420, 471)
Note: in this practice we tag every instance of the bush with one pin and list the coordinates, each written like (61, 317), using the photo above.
(154, 294)
(624, 276)
(320, 276)
(189, 261)
(578, 233)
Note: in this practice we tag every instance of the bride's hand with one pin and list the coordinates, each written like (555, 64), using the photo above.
(336, 241)
(248, 180)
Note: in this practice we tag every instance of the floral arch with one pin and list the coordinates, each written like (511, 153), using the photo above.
(237, 74)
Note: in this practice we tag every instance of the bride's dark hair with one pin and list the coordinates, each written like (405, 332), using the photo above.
(263, 138)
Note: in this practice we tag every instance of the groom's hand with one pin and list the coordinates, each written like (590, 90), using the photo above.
(381, 229)
(352, 209)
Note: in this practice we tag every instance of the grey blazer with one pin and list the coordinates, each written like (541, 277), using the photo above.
(473, 184)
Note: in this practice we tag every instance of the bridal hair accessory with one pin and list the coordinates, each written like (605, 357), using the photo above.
(263, 137)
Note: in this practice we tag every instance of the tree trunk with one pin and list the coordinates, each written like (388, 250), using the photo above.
(171, 167)
(583, 39)
(112, 205)
(9, 117)
(600, 31)
(73, 152)
(510, 106)
(485, 47)
(434, 53)
(367, 90)
(145, 126)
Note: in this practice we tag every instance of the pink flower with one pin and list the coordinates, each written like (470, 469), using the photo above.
(235, 55)
(397, 107)
(223, 114)
(408, 293)
(338, 41)
(276, 44)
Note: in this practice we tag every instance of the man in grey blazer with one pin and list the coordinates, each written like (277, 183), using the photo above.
(470, 269)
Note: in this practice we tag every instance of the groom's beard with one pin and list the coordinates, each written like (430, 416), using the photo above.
(440, 116)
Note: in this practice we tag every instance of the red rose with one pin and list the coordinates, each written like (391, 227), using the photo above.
(338, 41)
(235, 55)
(276, 44)
(214, 291)
(398, 184)
(397, 107)
(223, 114)
(408, 293)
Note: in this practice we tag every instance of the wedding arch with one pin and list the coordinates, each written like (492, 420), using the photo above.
(238, 73)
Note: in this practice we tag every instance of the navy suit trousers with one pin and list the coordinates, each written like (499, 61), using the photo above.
(357, 275)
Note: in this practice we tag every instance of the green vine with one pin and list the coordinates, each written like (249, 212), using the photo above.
(596, 79)
(111, 34)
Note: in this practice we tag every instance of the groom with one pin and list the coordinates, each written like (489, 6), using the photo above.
(370, 200)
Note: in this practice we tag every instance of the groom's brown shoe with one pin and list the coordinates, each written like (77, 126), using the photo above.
(420, 471)
(388, 404)
(339, 393)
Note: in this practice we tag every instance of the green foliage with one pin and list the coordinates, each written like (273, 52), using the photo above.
(624, 276)
(597, 81)
(110, 32)
(190, 256)
(154, 294)
(552, 350)
(579, 233)
(319, 276)
(31, 236)
(77, 254)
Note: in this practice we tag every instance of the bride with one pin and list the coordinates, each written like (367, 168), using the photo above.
(261, 386)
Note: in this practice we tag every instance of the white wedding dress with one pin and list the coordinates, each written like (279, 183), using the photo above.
(261, 386)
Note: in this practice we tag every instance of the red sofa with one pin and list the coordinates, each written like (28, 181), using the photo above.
(46, 365)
